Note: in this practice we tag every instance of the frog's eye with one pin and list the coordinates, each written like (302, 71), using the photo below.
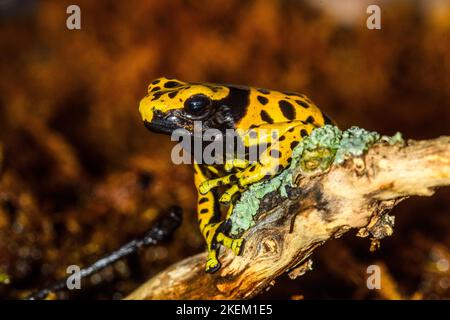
(197, 105)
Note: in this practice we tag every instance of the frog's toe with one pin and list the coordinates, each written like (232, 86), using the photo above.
(227, 196)
(237, 246)
(204, 187)
(228, 166)
(212, 265)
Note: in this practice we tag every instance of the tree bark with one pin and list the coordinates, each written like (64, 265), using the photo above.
(321, 206)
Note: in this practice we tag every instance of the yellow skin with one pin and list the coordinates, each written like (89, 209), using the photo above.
(252, 113)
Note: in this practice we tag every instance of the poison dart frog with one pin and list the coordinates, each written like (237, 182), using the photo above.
(171, 104)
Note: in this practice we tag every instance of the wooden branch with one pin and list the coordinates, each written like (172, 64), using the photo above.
(323, 206)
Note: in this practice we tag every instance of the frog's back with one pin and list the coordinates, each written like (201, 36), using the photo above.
(271, 107)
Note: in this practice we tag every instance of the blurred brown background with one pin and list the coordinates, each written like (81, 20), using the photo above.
(80, 175)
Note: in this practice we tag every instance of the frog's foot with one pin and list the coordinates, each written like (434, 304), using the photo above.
(236, 245)
(212, 264)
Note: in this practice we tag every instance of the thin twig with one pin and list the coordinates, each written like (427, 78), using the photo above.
(160, 232)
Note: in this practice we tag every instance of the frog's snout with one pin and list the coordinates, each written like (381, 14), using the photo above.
(146, 109)
(155, 120)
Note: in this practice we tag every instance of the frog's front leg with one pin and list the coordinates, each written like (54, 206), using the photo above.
(243, 178)
(229, 165)
(268, 167)
(271, 162)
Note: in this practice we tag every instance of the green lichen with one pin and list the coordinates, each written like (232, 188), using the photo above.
(325, 146)
(355, 141)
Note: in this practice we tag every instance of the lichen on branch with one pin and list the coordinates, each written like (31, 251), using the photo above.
(325, 146)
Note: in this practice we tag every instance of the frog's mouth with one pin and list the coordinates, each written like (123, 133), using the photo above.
(165, 122)
(160, 126)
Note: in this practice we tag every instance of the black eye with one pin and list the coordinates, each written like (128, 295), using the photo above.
(197, 105)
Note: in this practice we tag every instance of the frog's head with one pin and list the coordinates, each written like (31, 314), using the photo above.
(172, 104)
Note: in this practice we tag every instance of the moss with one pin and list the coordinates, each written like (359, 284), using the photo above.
(325, 146)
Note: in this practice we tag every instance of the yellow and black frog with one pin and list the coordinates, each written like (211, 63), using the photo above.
(273, 119)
